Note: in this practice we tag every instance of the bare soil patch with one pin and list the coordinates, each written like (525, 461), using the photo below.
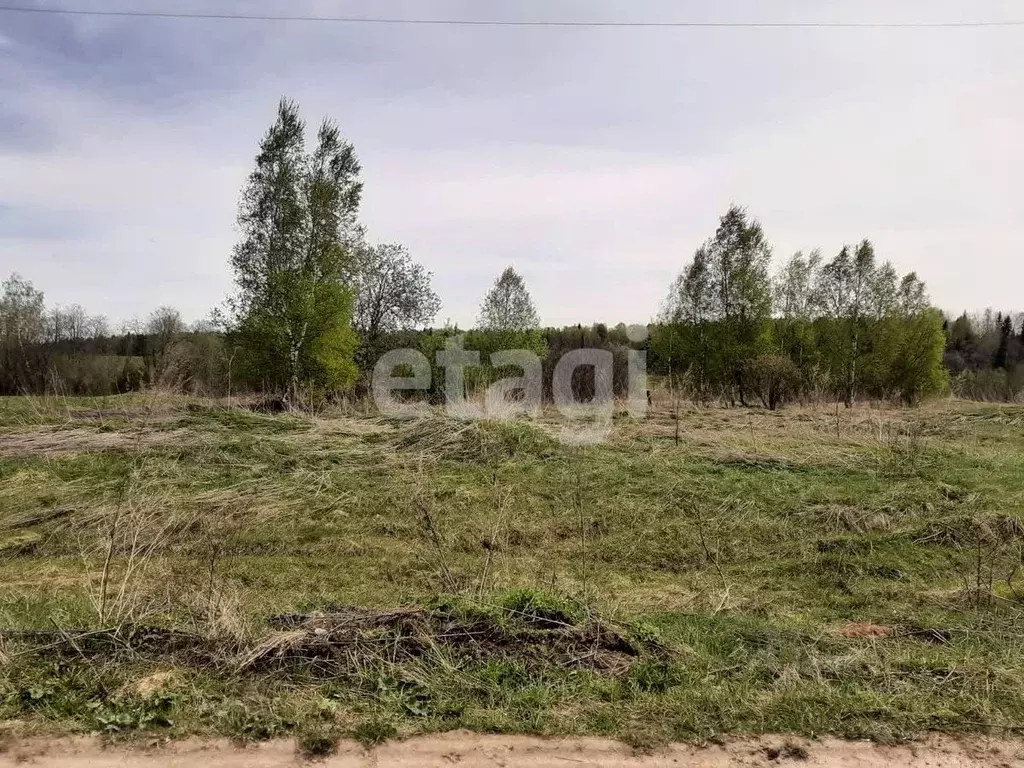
(471, 750)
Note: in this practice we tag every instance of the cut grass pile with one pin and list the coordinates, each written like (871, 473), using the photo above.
(196, 567)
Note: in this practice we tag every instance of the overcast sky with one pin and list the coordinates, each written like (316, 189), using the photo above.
(592, 160)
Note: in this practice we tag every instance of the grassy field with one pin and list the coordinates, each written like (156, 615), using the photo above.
(181, 566)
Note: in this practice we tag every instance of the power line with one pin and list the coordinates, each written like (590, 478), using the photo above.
(499, 23)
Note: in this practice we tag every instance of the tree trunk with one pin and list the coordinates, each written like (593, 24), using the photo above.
(854, 351)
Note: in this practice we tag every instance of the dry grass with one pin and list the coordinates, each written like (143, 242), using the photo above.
(745, 549)
(60, 442)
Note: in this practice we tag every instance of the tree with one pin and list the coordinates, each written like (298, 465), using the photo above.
(21, 313)
(298, 221)
(795, 303)
(961, 334)
(962, 351)
(912, 296)
(508, 306)
(392, 292)
(903, 339)
(915, 367)
(1001, 357)
(725, 293)
(847, 290)
(507, 321)
(794, 286)
(684, 337)
(76, 322)
(98, 326)
(131, 326)
(21, 325)
(163, 327)
(740, 256)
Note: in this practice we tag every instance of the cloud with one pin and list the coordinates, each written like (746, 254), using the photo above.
(593, 160)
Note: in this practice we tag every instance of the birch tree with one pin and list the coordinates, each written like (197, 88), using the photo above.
(21, 326)
(508, 306)
(297, 217)
(845, 292)
(795, 303)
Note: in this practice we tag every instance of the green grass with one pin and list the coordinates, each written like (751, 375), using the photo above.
(745, 551)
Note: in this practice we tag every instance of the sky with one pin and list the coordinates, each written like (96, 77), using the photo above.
(593, 160)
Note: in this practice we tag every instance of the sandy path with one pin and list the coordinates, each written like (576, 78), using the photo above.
(468, 750)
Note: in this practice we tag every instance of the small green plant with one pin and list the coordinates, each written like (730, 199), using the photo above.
(646, 633)
(652, 677)
(319, 739)
(251, 723)
(538, 606)
(504, 674)
(135, 714)
(374, 731)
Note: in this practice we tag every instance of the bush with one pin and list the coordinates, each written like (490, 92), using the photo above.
(775, 378)
(991, 384)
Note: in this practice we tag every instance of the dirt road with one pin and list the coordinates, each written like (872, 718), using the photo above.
(468, 750)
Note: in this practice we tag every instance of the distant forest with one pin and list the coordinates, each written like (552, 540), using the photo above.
(70, 353)
(316, 304)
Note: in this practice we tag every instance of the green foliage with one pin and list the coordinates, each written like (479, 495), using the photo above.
(686, 352)
(542, 605)
(135, 713)
(846, 287)
(848, 327)
(795, 302)
(332, 352)
(775, 378)
(373, 731)
(297, 218)
(319, 738)
(489, 341)
(508, 306)
(910, 355)
(721, 306)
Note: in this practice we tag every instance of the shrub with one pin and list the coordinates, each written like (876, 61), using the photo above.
(775, 378)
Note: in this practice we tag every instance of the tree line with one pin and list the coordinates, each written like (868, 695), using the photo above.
(847, 327)
(316, 303)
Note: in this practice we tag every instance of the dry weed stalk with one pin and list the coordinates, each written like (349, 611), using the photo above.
(504, 504)
(578, 504)
(718, 566)
(423, 502)
(139, 527)
(136, 534)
